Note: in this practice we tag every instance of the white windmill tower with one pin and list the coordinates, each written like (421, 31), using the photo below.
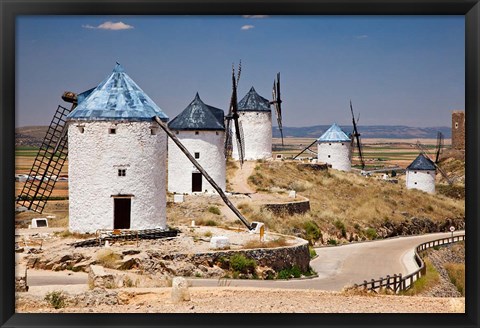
(201, 129)
(117, 158)
(421, 174)
(334, 147)
(254, 123)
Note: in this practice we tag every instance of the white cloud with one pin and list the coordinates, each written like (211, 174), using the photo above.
(247, 27)
(363, 36)
(110, 26)
(255, 16)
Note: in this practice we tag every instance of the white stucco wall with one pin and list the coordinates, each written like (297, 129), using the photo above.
(338, 154)
(422, 180)
(257, 132)
(94, 158)
(211, 146)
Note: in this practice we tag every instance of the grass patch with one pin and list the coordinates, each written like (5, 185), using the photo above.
(208, 234)
(456, 273)
(293, 272)
(312, 232)
(312, 252)
(240, 264)
(426, 282)
(214, 210)
(68, 234)
(279, 242)
(371, 233)
(56, 299)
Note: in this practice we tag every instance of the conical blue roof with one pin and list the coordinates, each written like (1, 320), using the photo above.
(422, 162)
(334, 134)
(118, 97)
(198, 116)
(253, 102)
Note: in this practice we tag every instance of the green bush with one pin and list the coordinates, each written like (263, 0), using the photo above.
(293, 272)
(341, 226)
(332, 242)
(211, 223)
(239, 263)
(56, 299)
(312, 252)
(312, 231)
(371, 233)
(214, 210)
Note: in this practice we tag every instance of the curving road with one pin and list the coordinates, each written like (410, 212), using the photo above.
(336, 266)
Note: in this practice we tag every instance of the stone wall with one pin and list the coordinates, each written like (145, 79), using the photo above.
(458, 130)
(21, 278)
(276, 258)
(299, 207)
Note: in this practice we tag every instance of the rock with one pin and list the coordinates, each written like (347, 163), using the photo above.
(131, 252)
(180, 290)
(219, 242)
(128, 263)
(81, 266)
(178, 198)
(21, 278)
(97, 277)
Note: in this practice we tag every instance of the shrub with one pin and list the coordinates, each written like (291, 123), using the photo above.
(210, 223)
(312, 231)
(293, 272)
(214, 210)
(332, 242)
(208, 234)
(312, 252)
(239, 263)
(371, 233)
(341, 226)
(56, 299)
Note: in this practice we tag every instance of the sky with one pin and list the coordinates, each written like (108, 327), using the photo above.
(397, 70)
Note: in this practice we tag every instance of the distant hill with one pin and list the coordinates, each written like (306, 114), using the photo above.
(33, 135)
(368, 131)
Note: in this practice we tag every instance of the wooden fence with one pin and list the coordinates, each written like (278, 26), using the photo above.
(397, 282)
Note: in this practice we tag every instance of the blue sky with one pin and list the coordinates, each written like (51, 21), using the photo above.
(398, 70)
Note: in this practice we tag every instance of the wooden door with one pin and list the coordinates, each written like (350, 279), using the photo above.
(196, 182)
(121, 213)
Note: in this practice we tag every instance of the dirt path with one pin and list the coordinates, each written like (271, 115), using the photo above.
(240, 180)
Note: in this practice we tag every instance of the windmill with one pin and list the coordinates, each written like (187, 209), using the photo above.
(233, 115)
(356, 136)
(277, 102)
(49, 160)
(424, 151)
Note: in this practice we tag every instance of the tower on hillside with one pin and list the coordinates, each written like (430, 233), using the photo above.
(458, 129)
(421, 174)
(334, 147)
(255, 117)
(201, 130)
(117, 158)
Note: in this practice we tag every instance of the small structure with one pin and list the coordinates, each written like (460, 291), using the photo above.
(458, 130)
(117, 158)
(201, 130)
(421, 174)
(255, 117)
(334, 148)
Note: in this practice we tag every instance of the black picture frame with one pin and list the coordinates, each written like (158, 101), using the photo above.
(10, 9)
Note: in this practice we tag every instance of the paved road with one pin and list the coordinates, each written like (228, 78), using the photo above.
(336, 266)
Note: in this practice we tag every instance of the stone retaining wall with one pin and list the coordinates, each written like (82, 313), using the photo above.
(298, 207)
(21, 279)
(278, 258)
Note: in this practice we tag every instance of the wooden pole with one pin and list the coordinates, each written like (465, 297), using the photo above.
(204, 173)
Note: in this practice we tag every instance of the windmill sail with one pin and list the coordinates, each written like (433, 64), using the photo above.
(277, 101)
(48, 163)
(356, 135)
(439, 146)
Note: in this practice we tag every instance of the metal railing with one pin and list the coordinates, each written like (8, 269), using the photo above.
(397, 282)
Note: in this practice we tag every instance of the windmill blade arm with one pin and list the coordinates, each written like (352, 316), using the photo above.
(310, 145)
(204, 173)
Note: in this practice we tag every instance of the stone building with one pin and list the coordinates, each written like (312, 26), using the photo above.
(201, 130)
(335, 148)
(255, 117)
(421, 174)
(117, 158)
(458, 129)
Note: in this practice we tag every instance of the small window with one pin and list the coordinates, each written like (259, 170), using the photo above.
(177, 132)
(81, 129)
(216, 132)
(112, 131)
(415, 172)
(328, 156)
(196, 132)
(456, 125)
(329, 143)
(122, 172)
(342, 143)
(197, 155)
(153, 131)
(415, 183)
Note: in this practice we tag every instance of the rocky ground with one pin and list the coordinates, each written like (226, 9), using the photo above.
(236, 300)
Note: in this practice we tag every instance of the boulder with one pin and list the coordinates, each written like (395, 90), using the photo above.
(180, 290)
